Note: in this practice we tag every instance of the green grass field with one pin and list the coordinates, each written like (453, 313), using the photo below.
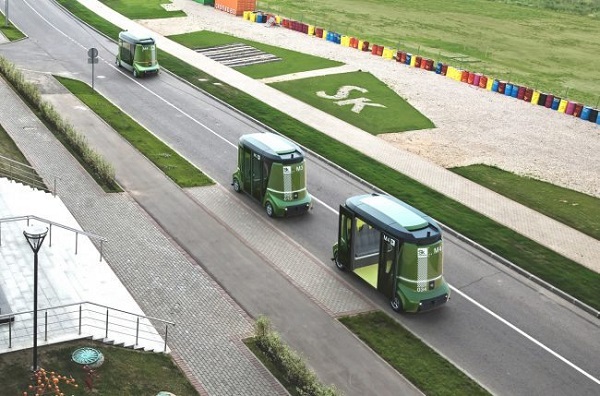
(172, 164)
(143, 9)
(528, 45)
(577, 210)
(10, 31)
(410, 356)
(124, 372)
(291, 61)
(397, 115)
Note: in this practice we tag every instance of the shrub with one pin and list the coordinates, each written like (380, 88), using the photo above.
(289, 362)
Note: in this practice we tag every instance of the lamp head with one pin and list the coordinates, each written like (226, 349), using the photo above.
(35, 236)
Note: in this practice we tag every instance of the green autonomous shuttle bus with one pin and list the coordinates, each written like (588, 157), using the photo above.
(393, 247)
(137, 54)
(273, 171)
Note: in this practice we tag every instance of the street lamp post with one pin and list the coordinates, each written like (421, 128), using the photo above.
(35, 237)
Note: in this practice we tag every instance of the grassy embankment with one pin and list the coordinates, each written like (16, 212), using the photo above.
(124, 371)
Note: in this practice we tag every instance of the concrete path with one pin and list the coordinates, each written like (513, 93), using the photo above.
(545, 231)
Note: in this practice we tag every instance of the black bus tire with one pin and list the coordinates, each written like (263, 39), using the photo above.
(269, 209)
(396, 303)
(338, 265)
(236, 185)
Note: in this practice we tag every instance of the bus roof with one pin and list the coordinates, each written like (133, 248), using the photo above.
(395, 217)
(135, 38)
(273, 146)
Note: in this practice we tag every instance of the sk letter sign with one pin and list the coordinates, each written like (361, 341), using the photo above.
(342, 94)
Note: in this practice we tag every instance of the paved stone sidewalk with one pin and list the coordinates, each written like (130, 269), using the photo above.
(541, 229)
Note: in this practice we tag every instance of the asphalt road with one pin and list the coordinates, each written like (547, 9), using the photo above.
(509, 334)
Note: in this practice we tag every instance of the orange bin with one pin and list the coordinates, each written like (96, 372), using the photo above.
(235, 7)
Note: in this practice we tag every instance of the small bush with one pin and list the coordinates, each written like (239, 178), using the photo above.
(289, 362)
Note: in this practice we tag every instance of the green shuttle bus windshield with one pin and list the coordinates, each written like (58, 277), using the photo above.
(396, 218)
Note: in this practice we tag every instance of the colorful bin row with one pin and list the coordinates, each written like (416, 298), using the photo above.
(477, 79)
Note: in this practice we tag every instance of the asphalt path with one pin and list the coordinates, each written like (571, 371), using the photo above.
(508, 333)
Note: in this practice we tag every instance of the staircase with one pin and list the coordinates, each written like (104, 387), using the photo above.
(79, 296)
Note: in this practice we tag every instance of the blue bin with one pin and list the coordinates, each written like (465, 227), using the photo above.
(555, 103)
(515, 91)
(585, 112)
(338, 38)
(495, 85)
(408, 59)
(259, 18)
(508, 89)
(329, 34)
(438, 68)
(593, 115)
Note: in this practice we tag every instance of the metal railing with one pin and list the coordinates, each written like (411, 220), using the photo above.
(101, 240)
(25, 174)
(83, 319)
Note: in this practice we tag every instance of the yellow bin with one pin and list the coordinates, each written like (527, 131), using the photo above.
(388, 53)
(360, 44)
(277, 19)
(252, 17)
(535, 96)
(345, 41)
(246, 16)
(490, 83)
(562, 106)
(413, 61)
(325, 34)
(311, 30)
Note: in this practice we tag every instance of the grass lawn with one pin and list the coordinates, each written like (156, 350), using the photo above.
(577, 210)
(397, 115)
(10, 31)
(172, 164)
(124, 372)
(291, 61)
(581, 283)
(543, 49)
(9, 149)
(143, 9)
(421, 365)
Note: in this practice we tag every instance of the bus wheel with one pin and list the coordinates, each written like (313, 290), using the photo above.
(339, 265)
(396, 303)
(236, 186)
(269, 209)
(117, 62)
(135, 73)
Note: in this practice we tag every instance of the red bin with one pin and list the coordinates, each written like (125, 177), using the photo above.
(521, 93)
(501, 87)
(374, 49)
(418, 61)
(444, 69)
(549, 100)
(365, 46)
(380, 50)
(464, 77)
(483, 82)
(528, 94)
(577, 110)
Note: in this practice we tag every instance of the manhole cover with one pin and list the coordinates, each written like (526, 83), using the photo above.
(86, 356)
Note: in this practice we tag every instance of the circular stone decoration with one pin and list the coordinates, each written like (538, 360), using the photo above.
(165, 393)
(86, 355)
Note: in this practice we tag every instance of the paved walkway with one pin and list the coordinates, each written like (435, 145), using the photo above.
(550, 233)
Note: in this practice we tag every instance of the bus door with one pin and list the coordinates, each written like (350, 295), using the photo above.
(257, 177)
(246, 168)
(345, 237)
(388, 259)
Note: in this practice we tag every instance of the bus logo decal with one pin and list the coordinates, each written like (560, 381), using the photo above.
(422, 254)
(287, 183)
